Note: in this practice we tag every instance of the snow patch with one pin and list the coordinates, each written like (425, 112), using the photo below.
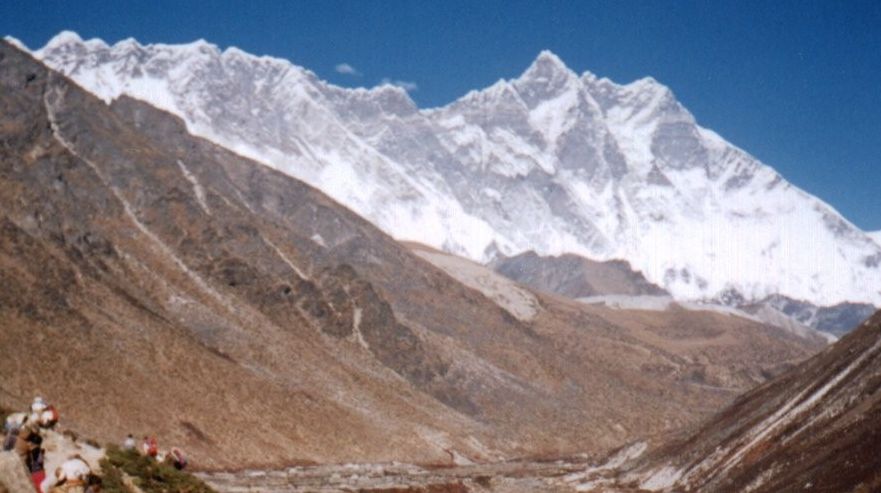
(197, 187)
(662, 479)
(285, 258)
(593, 477)
(357, 337)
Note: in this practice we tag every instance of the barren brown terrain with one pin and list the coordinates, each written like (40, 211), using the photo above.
(814, 428)
(155, 282)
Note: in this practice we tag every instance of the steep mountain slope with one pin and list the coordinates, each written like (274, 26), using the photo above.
(157, 288)
(814, 428)
(236, 311)
(551, 162)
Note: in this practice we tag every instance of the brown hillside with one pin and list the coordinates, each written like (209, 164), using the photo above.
(153, 281)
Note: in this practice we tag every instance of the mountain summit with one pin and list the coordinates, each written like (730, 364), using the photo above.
(551, 162)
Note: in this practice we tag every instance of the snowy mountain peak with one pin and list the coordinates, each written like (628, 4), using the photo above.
(548, 61)
(547, 69)
(545, 78)
(69, 40)
(550, 162)
(646, 84)
(63, 38)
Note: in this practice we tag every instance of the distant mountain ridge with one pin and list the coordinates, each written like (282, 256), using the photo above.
(575, 277)
(551, 162)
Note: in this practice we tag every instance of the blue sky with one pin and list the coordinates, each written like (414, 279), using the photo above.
(796, 83)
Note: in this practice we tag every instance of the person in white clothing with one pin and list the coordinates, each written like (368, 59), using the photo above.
(129, 443)
(70, 477)
(39, 405)
(14, 421)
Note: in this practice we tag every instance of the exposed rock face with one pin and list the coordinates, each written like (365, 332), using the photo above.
(551, 161)
(575, 277)
(155, 282)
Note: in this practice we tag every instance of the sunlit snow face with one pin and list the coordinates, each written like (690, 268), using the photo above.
(551, 162)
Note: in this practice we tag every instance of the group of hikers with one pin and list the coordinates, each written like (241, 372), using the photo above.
(24, 435)
(150, 448)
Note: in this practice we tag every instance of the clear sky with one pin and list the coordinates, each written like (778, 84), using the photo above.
(795, 83)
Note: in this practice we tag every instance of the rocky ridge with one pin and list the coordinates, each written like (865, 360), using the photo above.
(575, 277)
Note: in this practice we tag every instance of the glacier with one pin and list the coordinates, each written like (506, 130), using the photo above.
(551, 161)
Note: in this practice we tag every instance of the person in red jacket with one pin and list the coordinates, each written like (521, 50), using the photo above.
(150, 447)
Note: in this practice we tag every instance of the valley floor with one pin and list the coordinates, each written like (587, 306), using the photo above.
(504, 477)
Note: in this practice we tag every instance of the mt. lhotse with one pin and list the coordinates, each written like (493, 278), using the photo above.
(551, 161)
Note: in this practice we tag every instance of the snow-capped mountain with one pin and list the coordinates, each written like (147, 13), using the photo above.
(551, 161)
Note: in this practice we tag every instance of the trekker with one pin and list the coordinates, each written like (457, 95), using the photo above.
(15, 421)
(176, 458)
(35, 464)
(31, 433)
(38, 406)
(70, 477)
(150, 447)
(11, 426)
(129, 443)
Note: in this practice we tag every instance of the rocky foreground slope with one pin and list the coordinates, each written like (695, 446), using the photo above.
(815, 428)
(155, 282)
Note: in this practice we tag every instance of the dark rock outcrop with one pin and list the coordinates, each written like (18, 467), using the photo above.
(574, 276)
